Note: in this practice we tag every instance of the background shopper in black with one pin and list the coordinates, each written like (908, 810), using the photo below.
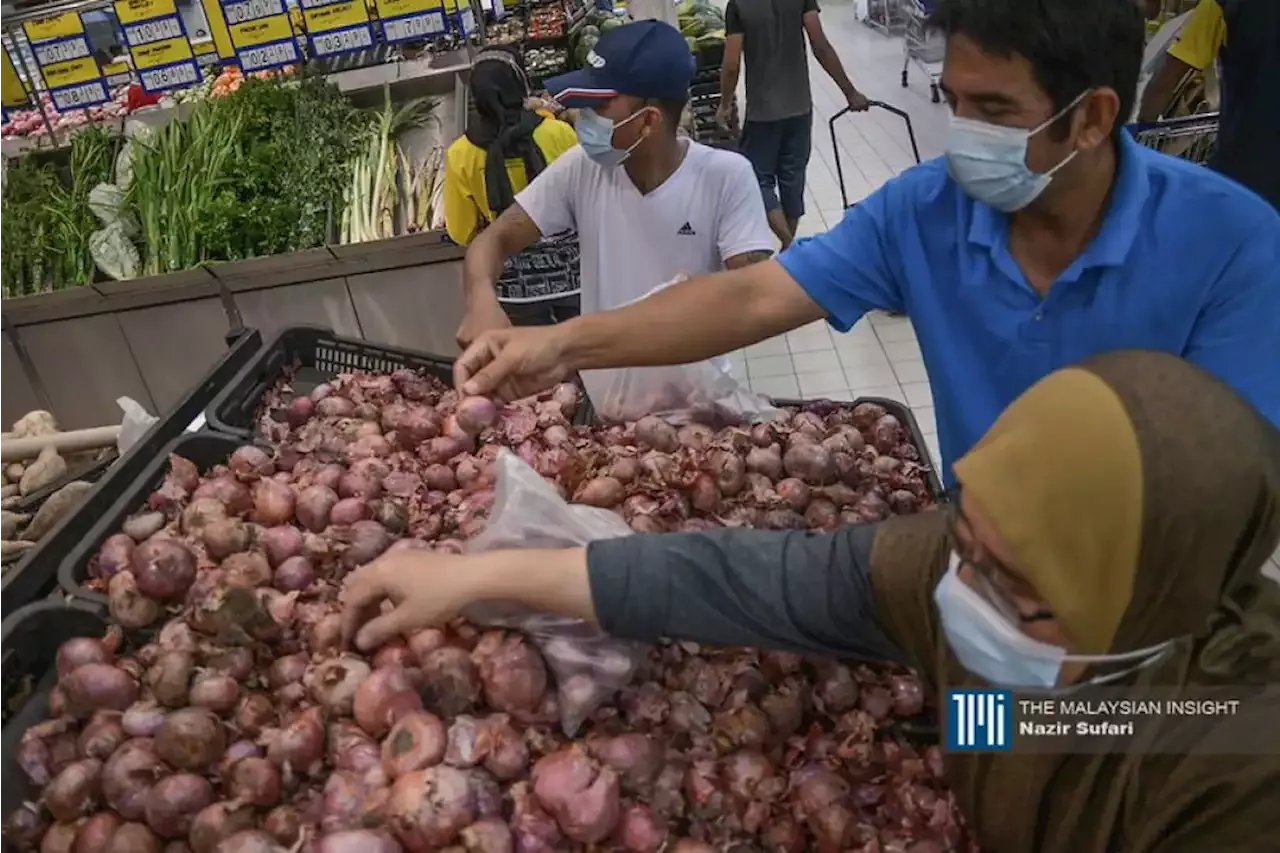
(776, 132)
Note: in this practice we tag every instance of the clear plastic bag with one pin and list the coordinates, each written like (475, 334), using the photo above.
(703, 392)
(134, 424)
(528, 512)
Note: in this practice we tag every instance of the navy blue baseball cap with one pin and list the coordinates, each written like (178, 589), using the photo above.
(646, 59)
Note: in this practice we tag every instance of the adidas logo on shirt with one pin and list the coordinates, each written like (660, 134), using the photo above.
(686, 230)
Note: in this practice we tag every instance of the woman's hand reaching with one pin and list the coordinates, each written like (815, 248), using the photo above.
(428, 588)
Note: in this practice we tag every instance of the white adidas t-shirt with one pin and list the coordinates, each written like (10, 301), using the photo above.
(709, 210)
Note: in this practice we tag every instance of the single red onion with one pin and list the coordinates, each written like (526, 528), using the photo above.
(191, 739)
(383, 698)
(416, 742)
(98, 686)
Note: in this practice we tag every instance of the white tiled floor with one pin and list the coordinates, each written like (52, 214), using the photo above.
(879, 357)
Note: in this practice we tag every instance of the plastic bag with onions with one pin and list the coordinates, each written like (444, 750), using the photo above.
(589, 666)
(704, 392)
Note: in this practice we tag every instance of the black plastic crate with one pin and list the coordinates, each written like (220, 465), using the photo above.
(548, 267)
(903, 413)
(319, 355)
(710, 56)
(36, 574)
(32, 635)
(205, 449)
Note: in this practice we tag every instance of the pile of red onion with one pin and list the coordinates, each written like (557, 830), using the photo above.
(236, 723)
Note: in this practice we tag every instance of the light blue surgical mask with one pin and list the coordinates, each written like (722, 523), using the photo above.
(989, 161)
(990, 646)
(595, 135)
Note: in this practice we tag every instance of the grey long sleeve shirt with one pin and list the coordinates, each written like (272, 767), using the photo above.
(789, 591)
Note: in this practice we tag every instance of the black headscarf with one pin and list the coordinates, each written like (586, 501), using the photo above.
(504, 127)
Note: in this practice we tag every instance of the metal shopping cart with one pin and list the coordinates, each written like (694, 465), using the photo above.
(835, 145)
(885, 16)
(1192, 137)
(926, 49)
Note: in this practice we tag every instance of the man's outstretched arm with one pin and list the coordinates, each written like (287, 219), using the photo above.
(693, 320)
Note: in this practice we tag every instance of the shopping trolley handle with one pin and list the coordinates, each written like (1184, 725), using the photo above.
(1194, 120)
(878, 104)
(835, 146)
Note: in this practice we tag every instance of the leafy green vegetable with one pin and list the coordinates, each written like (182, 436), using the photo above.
(177, 175)
(46, 219)
(291, 167)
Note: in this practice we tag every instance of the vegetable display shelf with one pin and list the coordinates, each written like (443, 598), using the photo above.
(37, 574)
(319, 355)
(903, 413)
(205, 449)
(32, 635)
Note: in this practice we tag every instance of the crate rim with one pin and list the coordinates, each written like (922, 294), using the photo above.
(213, 411)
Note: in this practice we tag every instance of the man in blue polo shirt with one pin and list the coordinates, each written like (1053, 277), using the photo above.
(1043, 236)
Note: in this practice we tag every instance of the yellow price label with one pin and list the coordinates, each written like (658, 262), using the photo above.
(335, 16)
(54, 27)
(218, 29)
(71, 72)
(132, 11)
(161, 53)
(396, 8)
(204, 48)
(451, 6)
(261, 31)
(62, 53)
(12, 92)
(113, 69)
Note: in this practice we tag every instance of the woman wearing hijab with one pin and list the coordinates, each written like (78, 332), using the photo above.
(1110, 529)
(505, 146)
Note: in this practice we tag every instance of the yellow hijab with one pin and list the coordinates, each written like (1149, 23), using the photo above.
(1141, 497)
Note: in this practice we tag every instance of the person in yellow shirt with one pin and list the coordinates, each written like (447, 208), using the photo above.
(506, 144)
(1249, 124)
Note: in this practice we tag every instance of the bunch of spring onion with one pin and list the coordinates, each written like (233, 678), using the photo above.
(177, 173)
(372, 200)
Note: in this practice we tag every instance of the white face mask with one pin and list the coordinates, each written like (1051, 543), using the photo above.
(991, 647)
(989, 161)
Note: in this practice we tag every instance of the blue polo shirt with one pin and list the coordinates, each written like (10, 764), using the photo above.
(1186, 262)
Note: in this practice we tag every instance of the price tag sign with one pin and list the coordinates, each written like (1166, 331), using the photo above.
(337, 26)
(411, 20)
(12, 92)
(207, 51)
(118, 73)
(158, 42)
(62, 54)
(461, 17)
(260, 33)
(222, 47)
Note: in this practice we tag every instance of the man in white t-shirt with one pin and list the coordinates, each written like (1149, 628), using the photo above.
(647, 204)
